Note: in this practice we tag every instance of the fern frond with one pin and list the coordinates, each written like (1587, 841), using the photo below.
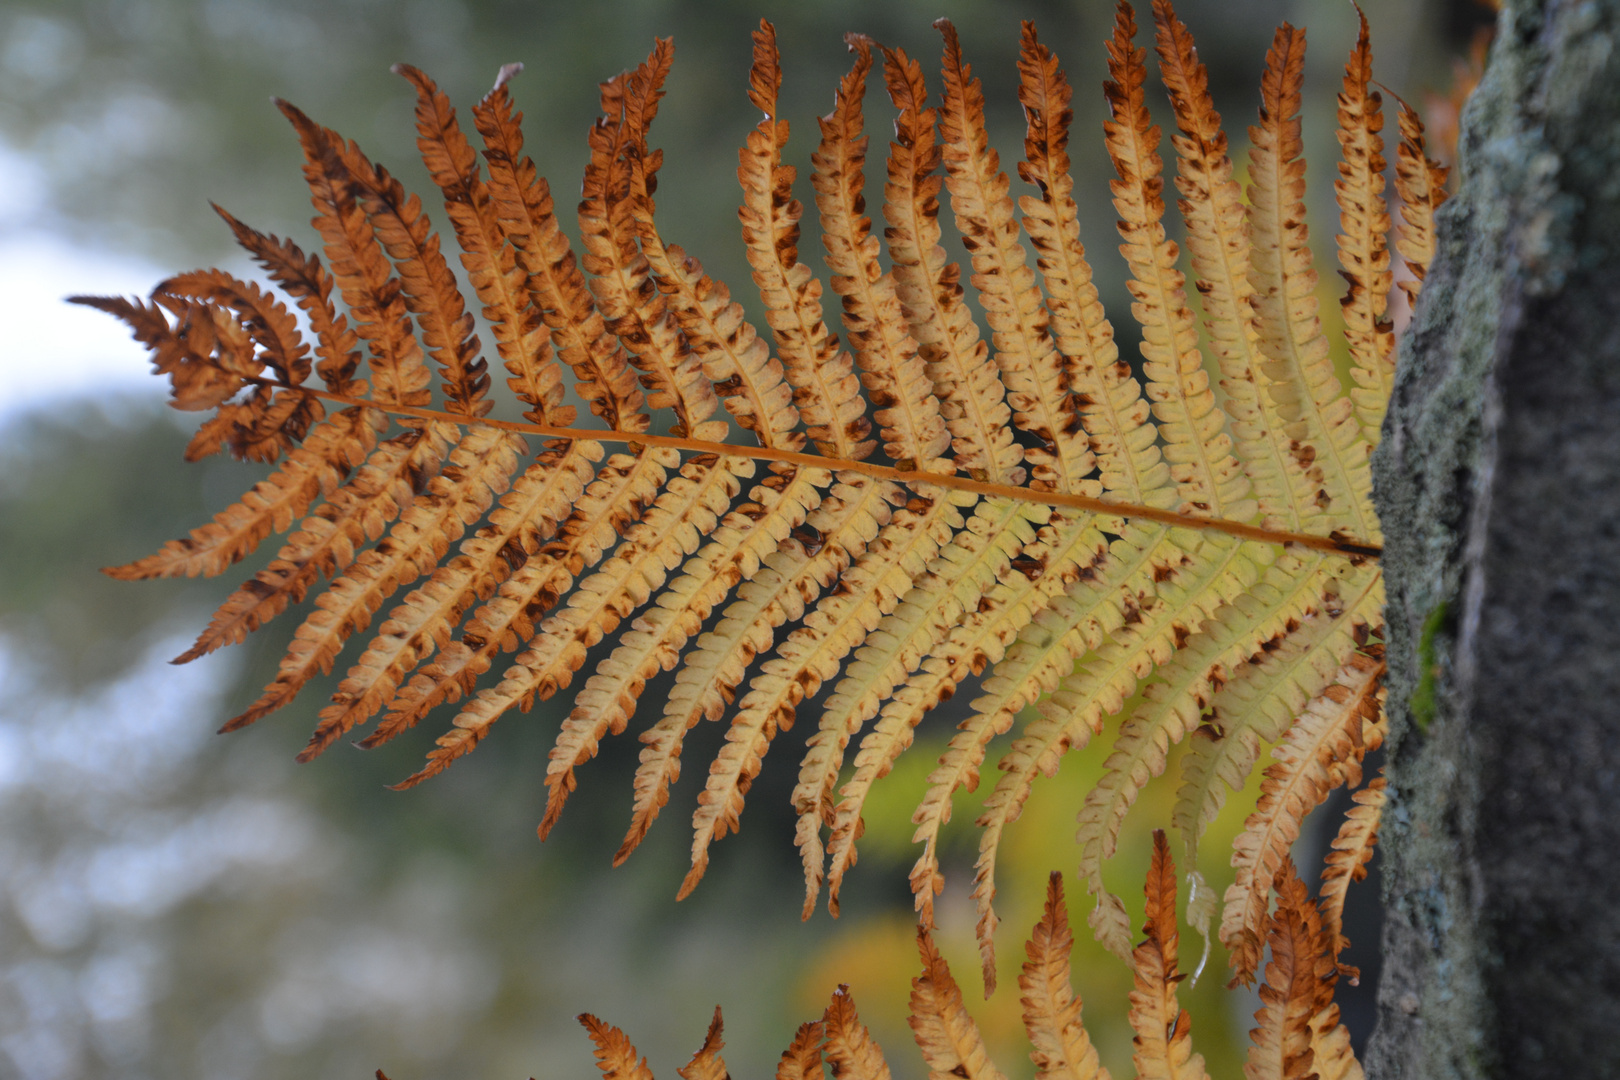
(1322, 750)
(1421, 183)
(330, 449)
(1304, 386)
(947, 1036)
(267, 318)
(826, 390)
(528, 220)
(618, 497)
(891, 369)
(615, 1056)
(1061, 1048)
(1198, 450)
(1218, 240)
(326, 541)
(1280, 1046)
(1030, 366)
(928, 287)
(707, 1064)
(491, 265)
(850, 1050)
(1347, 862)
(1363, 245)
(306, 280)
(374, 296)
(1109, 398)
(869, 589)
(802, 1059)
(1163, 1042)
(956, 582)
(637, 313)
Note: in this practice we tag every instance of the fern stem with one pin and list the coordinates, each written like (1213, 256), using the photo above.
(1335, 544)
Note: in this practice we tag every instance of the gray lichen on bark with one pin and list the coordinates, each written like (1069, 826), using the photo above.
(1498, 487)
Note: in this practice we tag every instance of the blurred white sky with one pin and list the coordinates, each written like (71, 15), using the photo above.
(49, 348)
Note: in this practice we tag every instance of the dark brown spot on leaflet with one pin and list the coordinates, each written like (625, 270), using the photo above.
(1180, 634)
(513, 555)
(1029, 566)
(809, 537)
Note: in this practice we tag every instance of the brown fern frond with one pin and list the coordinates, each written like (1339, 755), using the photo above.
(1421, 183)
(1218, 239)
(306, 280)
(1030, 365)
(850, 1049)
(374, 296)
(615, 1056)
(1363, 245)
(1308, 394)
(327, 540)
(1061, 1048)
(825, 388)
(491, 265)
(707, 1064)
(1322, 750)
(274, 503)
(266, 318)
(1163, 1042)
(528, 220)
(928, 286)
(1280, 1046)
(1347, 862)
(891, 369)
(947, 1036)
(1197, 447)
(802, 1059)
(635, 311)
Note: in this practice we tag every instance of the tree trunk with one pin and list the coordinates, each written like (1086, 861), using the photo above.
(1498, 484)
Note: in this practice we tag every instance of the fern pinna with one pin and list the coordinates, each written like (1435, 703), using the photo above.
(1075, 534)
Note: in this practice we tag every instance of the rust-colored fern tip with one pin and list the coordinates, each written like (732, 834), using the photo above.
(885, 511)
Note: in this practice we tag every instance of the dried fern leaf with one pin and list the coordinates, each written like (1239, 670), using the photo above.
(928, 286)
(956, 582)
(825, 388)
(1322, 750)
(528, 220)
(891, 369)
(1421, 183)
(745, 538)
(689, 507)
(1218, 240)
(1031, 368)
(273, 327)
(478, 470)
(707, 1064)
(1061, 1048)
(637, 313)
(1196, 445)
(1163, 1042)
(869, 589)
(1114, 416)
(610, 504)
(306, 280)
(1307, 391)
(327, 540)
(521, 337)
(1280, 1046)
(850, 1049)
(947, 1036)
(272, 505)
(615, 1056)
(802, 1059)
(792, 577)
(1364, 245)
(374, 296)
(1347, 862)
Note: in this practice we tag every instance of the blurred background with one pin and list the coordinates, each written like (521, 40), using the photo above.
(178, 904)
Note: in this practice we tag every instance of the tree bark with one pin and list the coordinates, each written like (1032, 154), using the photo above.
(1498, 485)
